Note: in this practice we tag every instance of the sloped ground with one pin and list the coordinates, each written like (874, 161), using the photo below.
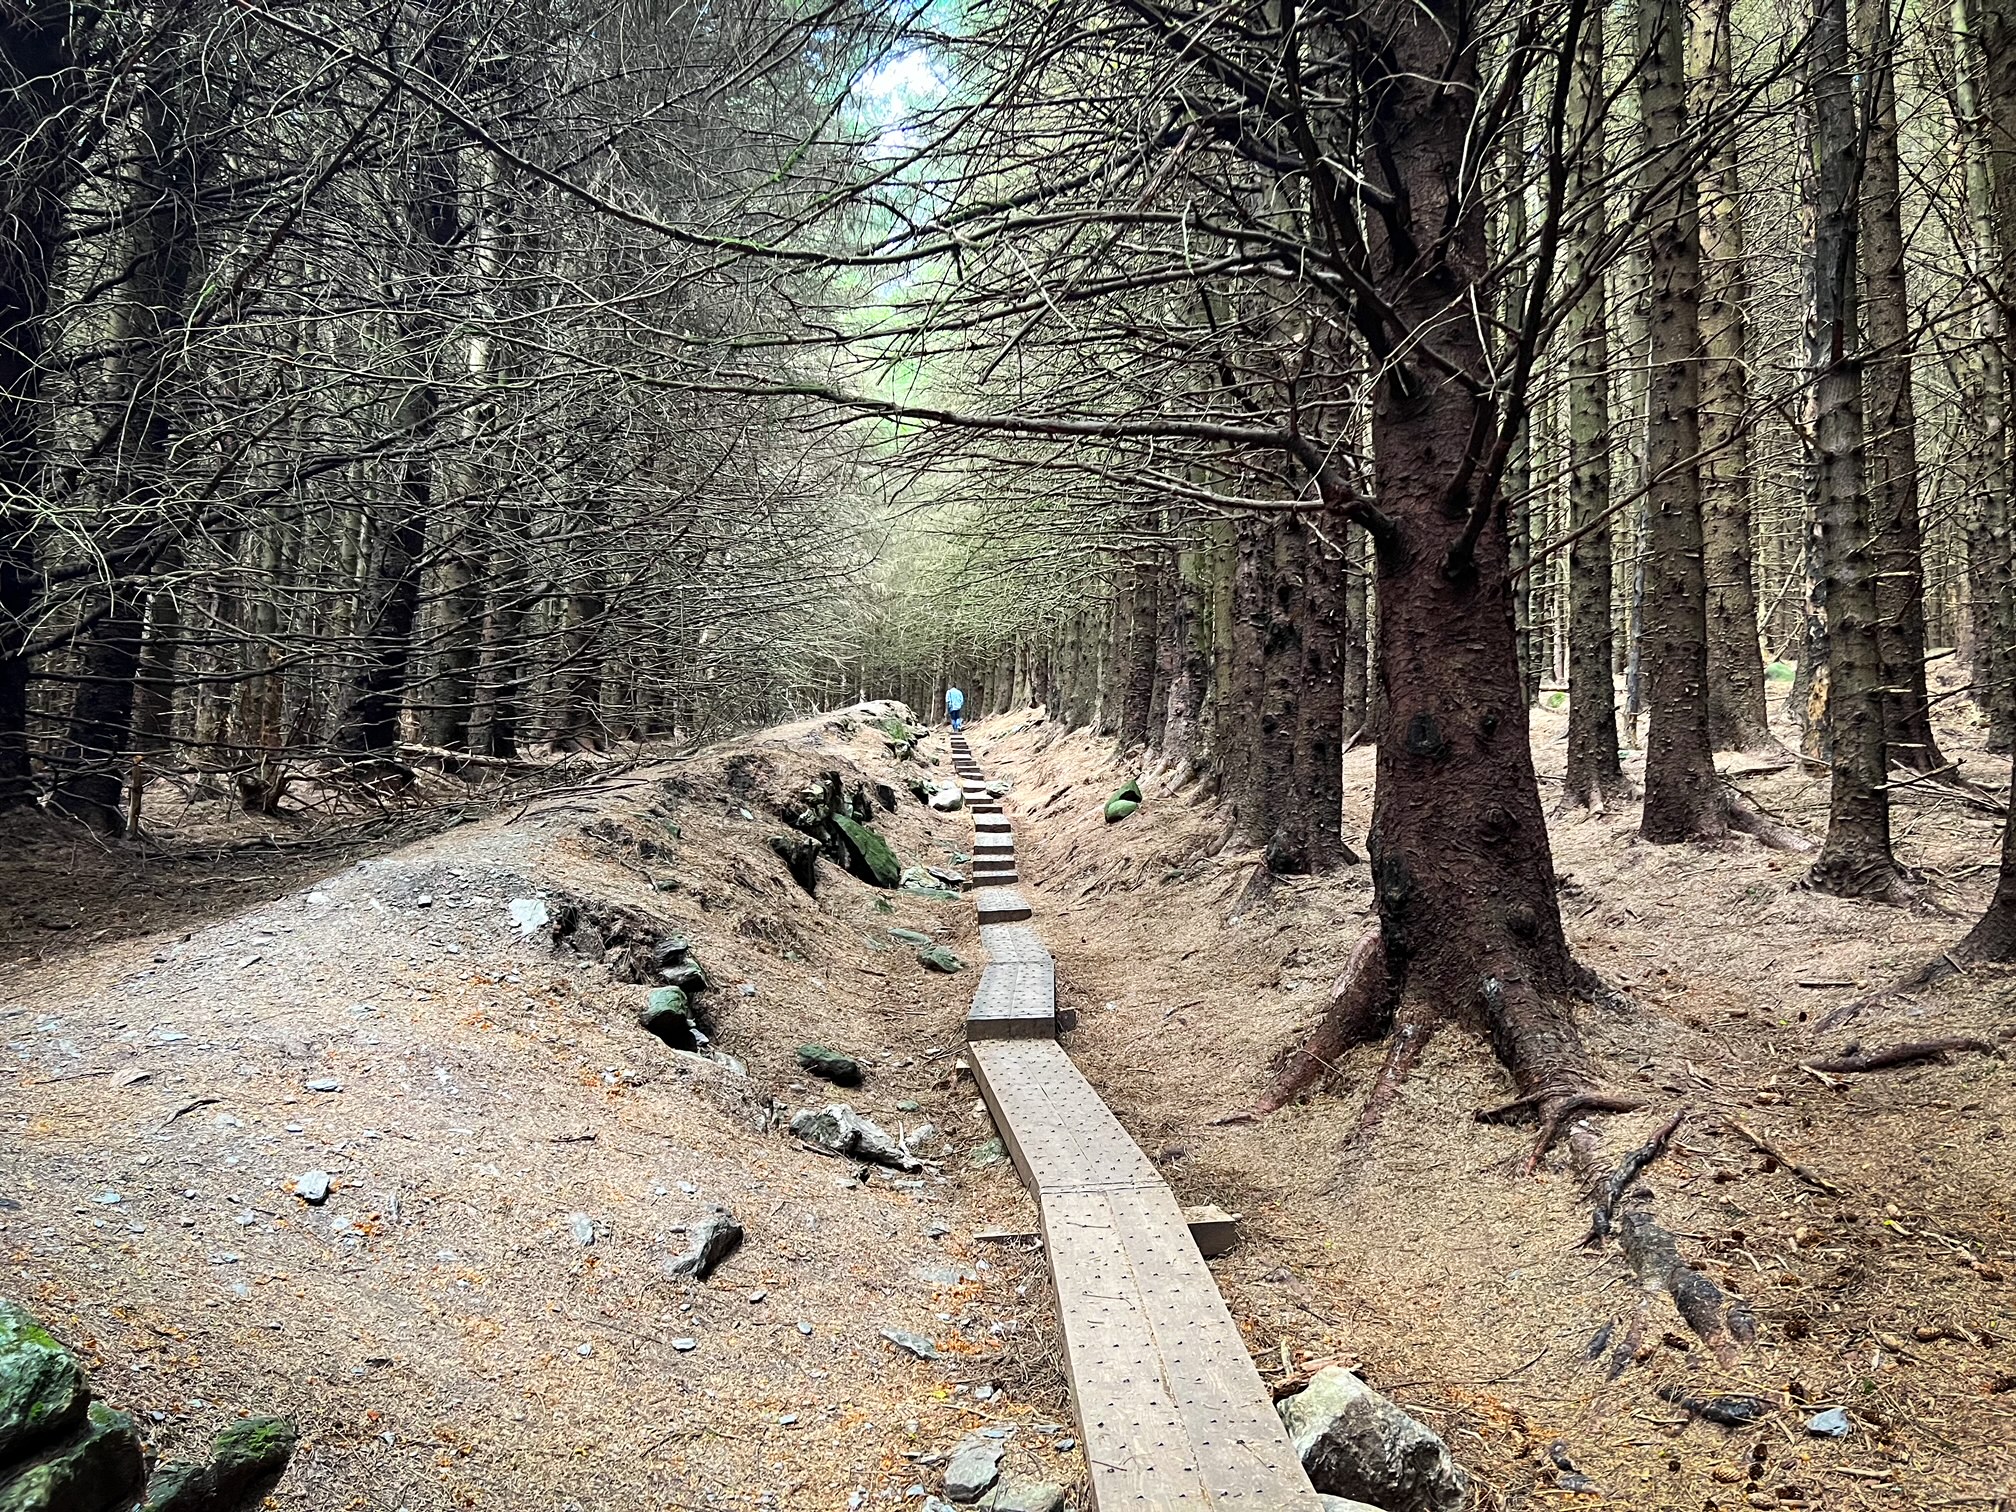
(1456, 1283)
(437, 1327)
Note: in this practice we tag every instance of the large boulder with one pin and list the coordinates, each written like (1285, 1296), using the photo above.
(99, 1469)
(42, 1388)
(1355, 1443)
(870, 857)
(245, 1460)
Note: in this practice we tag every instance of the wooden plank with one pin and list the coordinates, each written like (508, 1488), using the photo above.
(1016, 1000)
(1069, 1141)
(1012, 942)
(1001, 905)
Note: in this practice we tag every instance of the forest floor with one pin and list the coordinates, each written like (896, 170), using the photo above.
(1422, 1256)
(447, 1341)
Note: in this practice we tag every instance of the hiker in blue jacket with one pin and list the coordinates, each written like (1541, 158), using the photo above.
(955, 702)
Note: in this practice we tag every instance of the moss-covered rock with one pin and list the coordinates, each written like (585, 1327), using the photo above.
(668, 1013)
(830, 1065)
(96, 1470)
(42, 1388)
(1123, 803)
(938, 958)
(245, 1460)
(870, 857)
(909, 936)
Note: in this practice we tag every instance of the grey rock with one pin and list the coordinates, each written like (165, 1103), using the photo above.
(839, 1130)
(685, 1346)
(992, 1152)
(947, 800)
(1015, 1494)
(582, 1227)
(323, 1084)
(1356, 1444)
(1065, 1445)
(529, 914)
(911, 1343)
(313, 1188)
(710, 1241)
(1344, 1504)
(830, 1065)
(973, 1468)
(1833, 1423)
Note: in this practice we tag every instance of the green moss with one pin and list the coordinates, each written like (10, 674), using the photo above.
(873, 860)
(100, 1470)
(42, 1387)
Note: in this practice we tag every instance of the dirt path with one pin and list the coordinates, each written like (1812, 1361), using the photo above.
(439, 1327)
(1458, 1285)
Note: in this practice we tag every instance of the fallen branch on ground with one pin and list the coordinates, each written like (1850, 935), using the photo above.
(1900, 1055)
(1611, 1191)
(1764, 1146)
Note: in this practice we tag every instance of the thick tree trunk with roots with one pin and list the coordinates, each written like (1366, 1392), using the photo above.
(1468, 923)
(1855, 861)
(1682, 797)
(1890, 418)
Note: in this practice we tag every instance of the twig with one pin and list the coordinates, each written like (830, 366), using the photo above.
(1900, 1055)
(1764, 1146)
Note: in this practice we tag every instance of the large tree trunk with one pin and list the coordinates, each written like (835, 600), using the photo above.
(1357, 568)
(1736, 711)
(1319, 728)
(1889, 415)
(1682, 800)
(1855, 861)
(1595, 774)
(1463, 876)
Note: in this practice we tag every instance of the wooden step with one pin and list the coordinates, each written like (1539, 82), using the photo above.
(1001, 905)
(1016, 1000)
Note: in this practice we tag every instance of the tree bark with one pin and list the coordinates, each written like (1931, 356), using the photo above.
(1682, 800)
(1595, 774)
(1736, 712)
(1890, 415)
(1855, 860)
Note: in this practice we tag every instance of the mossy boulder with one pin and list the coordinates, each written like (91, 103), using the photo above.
(99, 1469)
(43, 1393)
(870, 857)
(668, 1013)
(688, 976)
(909, 936)
(830, 1065)
(938, 958)
(245, 1460)
(1123, 803)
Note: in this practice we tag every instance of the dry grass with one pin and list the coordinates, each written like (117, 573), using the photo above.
(1458, 1284)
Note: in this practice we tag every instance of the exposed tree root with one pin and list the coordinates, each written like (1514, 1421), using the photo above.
(1610, 1191)
(1764, 1146)
(1899, 1055)
(1403, 1053)
(1605, 795)
(1554, 1106)
(1745, 817)
(1870, 879)
(1720, 1321)
(1360, 1009)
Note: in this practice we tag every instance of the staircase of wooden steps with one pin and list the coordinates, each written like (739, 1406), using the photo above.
(1172, 1412)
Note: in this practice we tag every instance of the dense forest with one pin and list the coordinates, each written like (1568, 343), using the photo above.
(465, 382)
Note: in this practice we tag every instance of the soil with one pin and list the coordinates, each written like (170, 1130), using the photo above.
(437, 1327)
(427, 1324)
(1459, 1286)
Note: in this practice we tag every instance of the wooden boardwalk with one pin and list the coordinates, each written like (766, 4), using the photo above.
(1172, 1412)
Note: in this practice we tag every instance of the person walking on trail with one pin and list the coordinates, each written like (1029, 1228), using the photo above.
(955, 704)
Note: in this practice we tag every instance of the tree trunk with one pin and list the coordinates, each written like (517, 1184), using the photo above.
(1319, 729)
(1357, 568)
(1736, 713)
(1855, 861)
(1682, 800)
(1889, 414)
(1991, 638)
(1595, 775)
